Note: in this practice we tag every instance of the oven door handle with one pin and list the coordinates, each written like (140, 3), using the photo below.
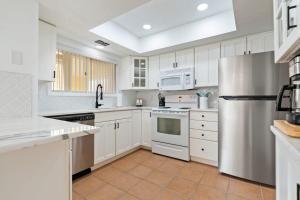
(171, 114)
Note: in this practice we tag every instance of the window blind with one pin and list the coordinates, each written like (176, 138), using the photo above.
(77, 73)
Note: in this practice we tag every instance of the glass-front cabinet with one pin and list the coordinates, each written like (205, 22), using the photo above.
(286, 29)
(140, 67)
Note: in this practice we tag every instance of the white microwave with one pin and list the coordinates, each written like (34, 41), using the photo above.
(177, 79)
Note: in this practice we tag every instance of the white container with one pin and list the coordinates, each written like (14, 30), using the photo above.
(203, 102)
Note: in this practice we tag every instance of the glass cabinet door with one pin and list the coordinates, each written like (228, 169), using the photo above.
(140, 72)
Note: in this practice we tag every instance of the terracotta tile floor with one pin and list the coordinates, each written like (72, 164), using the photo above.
(146, 176)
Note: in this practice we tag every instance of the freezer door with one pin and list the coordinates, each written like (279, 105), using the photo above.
(251, 75)
(246, 144)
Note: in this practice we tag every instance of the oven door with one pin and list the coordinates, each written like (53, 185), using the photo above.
(173, 82)
(171, 128)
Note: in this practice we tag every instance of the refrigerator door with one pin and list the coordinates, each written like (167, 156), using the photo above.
(250, 75)
(246, 145)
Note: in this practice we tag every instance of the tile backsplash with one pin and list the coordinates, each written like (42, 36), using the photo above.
(15, 95)
(150, 98)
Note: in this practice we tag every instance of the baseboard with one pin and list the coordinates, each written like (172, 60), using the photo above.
(101, 164)
(204, 161)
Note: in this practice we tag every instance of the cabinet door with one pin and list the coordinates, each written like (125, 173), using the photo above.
(262, 42)
(166, 61)
(146, 128)
(185, 58)
(201, 66)
(123, 135)
(234, 47)
(47, 51)
(153, 77)
(105, 146)
(140, 72)
(206, 65)
(125, 80)
(214, 55)
(136, 128)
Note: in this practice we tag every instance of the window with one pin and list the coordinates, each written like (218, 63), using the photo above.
(76, 73)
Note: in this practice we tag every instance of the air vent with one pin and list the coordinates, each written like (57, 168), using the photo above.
(100, 42)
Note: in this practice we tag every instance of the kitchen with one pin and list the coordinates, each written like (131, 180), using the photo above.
(132, 100)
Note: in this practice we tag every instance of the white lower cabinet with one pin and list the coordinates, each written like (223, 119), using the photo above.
(204, 137)
(204, 149)
(146, 128)
(105, 142)
(114, 136)
(123, 135)
(136, 128)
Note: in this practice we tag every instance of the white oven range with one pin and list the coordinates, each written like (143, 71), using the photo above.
(170, 134)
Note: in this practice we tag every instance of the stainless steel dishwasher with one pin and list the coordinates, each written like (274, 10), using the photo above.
(82, 147)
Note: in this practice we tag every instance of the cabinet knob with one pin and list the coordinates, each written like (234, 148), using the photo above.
(202, 149)
(202, 115)
(202, 134)
(202, 125)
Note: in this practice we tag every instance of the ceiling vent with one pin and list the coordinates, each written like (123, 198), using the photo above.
(100, 42)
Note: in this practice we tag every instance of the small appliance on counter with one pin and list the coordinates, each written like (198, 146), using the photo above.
(161, 100)
(139, 102)
(293, 115)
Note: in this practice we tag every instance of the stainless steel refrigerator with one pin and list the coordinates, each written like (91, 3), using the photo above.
(248, 86)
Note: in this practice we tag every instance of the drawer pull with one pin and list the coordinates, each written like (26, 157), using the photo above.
(202, 115)
(202, 149)
(202, 134)
(202, 125)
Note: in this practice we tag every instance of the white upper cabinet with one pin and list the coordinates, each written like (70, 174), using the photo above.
(47, 51)
(167, 61)
(185, 59)
(261, 42)
(234, 47)
(153, 80)
(286, 29)
(206, 65)
(140, 75)
(179, 59)
(133, 73)
(125, 74)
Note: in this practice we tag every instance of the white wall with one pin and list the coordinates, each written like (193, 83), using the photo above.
(19, 33)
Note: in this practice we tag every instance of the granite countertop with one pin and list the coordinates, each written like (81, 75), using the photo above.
(19, 133)
(292, 143)
(94, 110)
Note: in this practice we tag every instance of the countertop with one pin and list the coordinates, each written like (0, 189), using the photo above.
(22, 133)
(94, 110)
(205, 110)
(292, 143)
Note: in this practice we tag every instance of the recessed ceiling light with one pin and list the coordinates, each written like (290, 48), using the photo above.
(100, 47)
(202, 6)
(147, 26)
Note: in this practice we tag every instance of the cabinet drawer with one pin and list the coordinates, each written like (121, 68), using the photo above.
(204, 125)
(204, 135)
(204, 116)
(204, 149)
(114, 115)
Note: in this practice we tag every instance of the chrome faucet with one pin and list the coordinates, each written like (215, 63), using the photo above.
(97, 95)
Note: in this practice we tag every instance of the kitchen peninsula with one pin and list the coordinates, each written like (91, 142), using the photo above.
(35, 158)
